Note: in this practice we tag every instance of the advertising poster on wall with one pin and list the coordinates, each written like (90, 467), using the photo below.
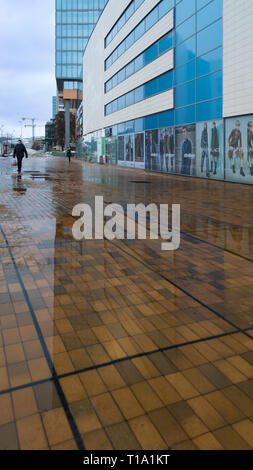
(121, 148)
(167, 150)
(209, 150)
(129, 150)
(239, 149)
(151, 150)
(186, 150)
(139, 150)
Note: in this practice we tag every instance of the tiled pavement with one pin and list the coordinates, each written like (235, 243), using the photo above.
(118, 345)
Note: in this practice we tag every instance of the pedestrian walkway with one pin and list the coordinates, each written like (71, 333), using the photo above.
(116, 344)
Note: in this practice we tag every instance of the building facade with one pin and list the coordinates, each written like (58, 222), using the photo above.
(54, 106)
(170, 86)
(75, 20)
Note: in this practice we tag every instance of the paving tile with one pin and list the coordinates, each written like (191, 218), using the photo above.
(122, 437)
(31, 433)
(146, 433)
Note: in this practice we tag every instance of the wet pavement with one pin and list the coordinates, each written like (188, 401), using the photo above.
(116, 344)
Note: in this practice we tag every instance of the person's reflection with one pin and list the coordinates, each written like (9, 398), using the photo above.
(18, 185)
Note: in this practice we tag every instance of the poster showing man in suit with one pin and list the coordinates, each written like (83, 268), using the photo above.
(151, 150)
(209, 150)
(167, 150)
(185, 150)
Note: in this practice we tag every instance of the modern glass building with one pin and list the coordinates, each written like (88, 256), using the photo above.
(75, 20)
(164, 82)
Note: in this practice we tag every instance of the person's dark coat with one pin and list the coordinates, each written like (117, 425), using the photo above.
(20, 151)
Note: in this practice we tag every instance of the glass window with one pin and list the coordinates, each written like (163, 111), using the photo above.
(151, 88)
(151, 19)
(185, 72)
(209, 14)
(121, 75)
(186, 51)
(139, 31)
(209, 62)
(139, 62)
(151, 122)
(129, 69)
(185, 115)
(139, 94)
(151, 53)
(209, 38)
(165, 82)
(209, 110)
(209, 87)
(165, 43)
(130, 98)
(185, 30)
(122, 102)
(129, 40)
(185, 94)
(184, 10)
(164, 7)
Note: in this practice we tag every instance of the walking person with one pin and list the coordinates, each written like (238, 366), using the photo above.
(19, 152)
(69, 154)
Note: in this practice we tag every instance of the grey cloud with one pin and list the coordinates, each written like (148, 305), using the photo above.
(27, 80)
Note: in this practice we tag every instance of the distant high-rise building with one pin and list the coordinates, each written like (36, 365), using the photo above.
(54, 103)
(75, 21)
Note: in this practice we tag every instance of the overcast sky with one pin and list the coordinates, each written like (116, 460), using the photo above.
(27, 78)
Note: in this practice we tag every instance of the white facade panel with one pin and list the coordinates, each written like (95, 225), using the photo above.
(156, 104)
(237, 57)
(133, 21)
(159, 66)
(161, 28)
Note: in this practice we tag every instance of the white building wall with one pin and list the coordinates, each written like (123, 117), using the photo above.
(95, 76)
(237, 57)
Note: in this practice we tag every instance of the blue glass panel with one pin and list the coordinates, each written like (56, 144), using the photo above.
(185, 115)
(201, 3)
(151, 53)
(165, 82)
(151, 88)
(185, 30)
(166, 119)
(185, 94)
(151, 19)
(165, 43)
(209, 62)
(209, 14)
(130, 98)
(164, 7)
(184, 10)
(209, 38)
(139, 94)
(121, 128)
(209, 87)
(186, 51)
(185, 72)
(129, 69)
(139, 62)
(129, 127)
(151, 122)
(139, 125)
(209, 110)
